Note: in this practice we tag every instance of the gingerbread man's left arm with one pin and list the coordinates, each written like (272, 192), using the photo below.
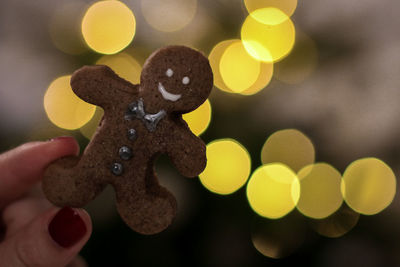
(187, 152)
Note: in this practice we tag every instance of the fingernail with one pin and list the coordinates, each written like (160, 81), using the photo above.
(67, 227)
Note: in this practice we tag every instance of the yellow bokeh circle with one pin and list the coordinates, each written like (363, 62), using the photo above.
(287, 6)
(273, 190)
(290, 147)
(239, 71)
(368, 186)
(199, 119)
(320, 190)
(124, 65)
(264, 77)
(278, 239)
(90, 128)
(266, 72)
(267, 39)
(168, 15)
(338, 224)
(228, 166)
(64, 108)
(215, 58)
(270, 16)
(108, 26)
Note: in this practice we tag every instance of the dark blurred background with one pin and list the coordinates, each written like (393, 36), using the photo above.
(342, 94)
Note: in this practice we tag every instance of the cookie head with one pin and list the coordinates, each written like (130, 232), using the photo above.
(176, 78)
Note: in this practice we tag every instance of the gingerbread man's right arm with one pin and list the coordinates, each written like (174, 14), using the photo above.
(99, 85)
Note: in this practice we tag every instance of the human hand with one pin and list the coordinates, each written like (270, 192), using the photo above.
(34, 232)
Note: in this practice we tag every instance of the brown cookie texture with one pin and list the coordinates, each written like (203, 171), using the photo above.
(140, 122)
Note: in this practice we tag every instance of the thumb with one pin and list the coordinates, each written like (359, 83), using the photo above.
(52, 239)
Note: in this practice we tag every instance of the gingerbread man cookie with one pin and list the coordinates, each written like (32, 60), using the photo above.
(140, 122)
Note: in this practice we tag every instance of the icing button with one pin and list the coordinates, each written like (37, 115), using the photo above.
(132, 134)
(117, 169)
(125, 153)
(135, 110)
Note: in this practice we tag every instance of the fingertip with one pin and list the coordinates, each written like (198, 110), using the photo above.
(23, 166)
(67, 144)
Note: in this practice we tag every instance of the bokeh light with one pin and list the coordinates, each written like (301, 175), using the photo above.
(268, 42)
(269, 16)
(287, 6)
(278, 238)
(264, 77)
(64, 108)
(65, 30)
(238, 70)
(273, 190)
(228, 166)
(320, 190)
(300, 63)
(168, 15)
(290, 147)
(368, 186)
(124, 65)
(108, 26)
(199, 119)
(89, 128)
(338, 224)
(266, 72)
(215, 58)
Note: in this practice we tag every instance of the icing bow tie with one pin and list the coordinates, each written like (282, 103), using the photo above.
(136, 111)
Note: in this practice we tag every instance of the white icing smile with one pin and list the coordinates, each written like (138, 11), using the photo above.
(167, 95)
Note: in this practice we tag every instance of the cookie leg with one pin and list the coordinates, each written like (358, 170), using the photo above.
(146, 211)
(66, 184)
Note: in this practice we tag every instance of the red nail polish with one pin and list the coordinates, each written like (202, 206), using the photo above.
(67, 227)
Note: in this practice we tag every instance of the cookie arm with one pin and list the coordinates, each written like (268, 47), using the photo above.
(188, 153)
(99, 85)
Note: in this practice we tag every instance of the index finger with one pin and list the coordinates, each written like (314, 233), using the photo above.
(22, 167)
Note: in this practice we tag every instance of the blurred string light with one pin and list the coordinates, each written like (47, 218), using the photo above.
(238, 70)
(290, 147)
(300, 63)
(65, 30)
(286, 6)
(263, 80)
(215, 58)
(273, 190)
(368, 186)
(199, 119)
(278, 238)
(89, 128)
(108, 26)
(228, 166)
(320, 190)
(268, 34)
(232, 64)
(338, 224)
(64, 108)
(123, 65)
(168, 15)
(270, 16)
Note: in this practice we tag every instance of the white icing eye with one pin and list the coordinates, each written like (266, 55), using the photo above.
(185, 80)
(169, 72)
